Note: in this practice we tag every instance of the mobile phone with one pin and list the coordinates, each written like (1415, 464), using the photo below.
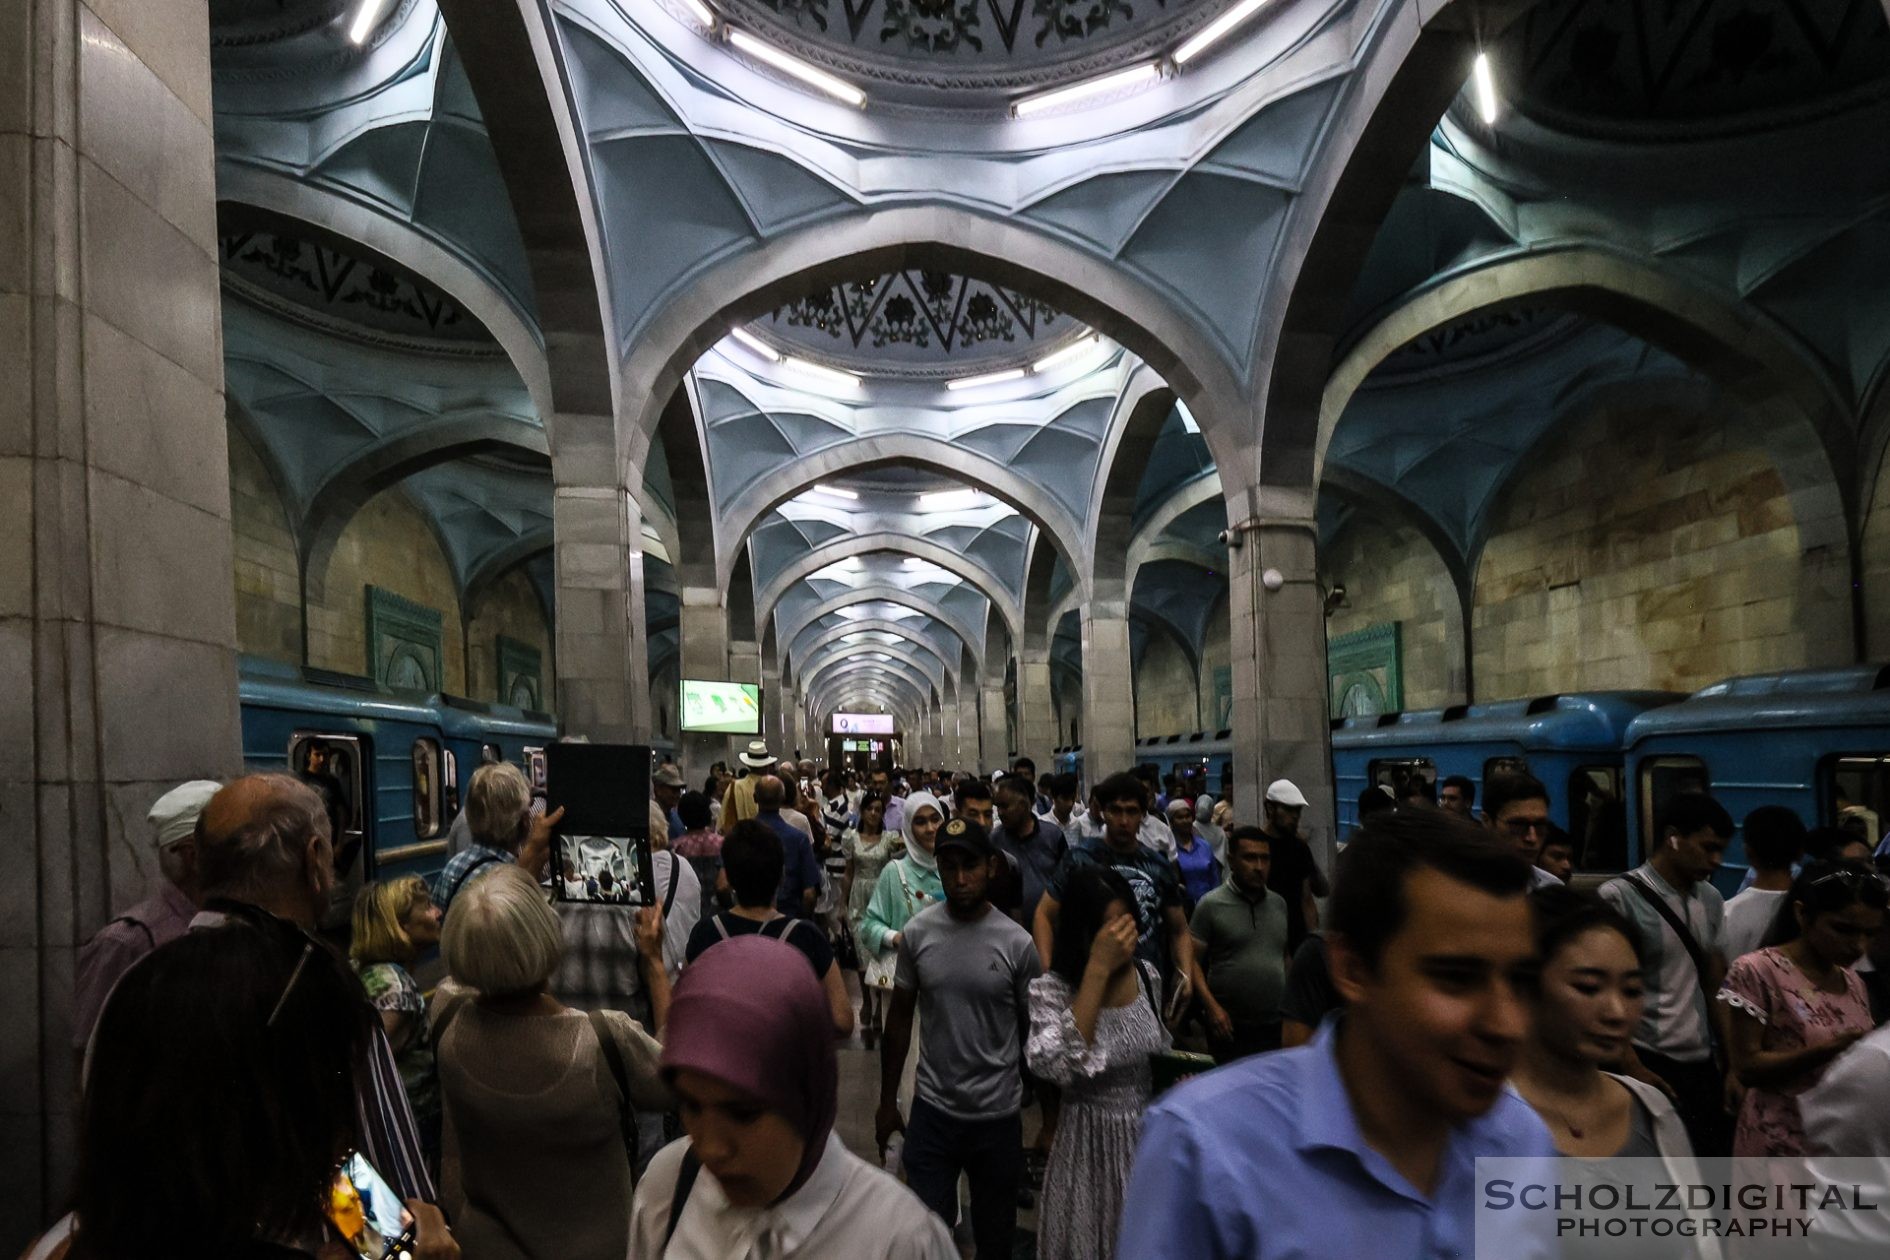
(367, 1213)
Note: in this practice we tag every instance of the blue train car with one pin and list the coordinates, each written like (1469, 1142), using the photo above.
(394, 764)
(1817, 741)
(1573, 743)
(1210, 753)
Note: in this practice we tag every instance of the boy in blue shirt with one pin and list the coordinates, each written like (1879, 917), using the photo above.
(1364, 1142)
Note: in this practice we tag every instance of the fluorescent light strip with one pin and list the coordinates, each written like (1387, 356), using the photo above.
(366, 18)
(989, 378)
(1216, 30)
(1076, 350)
(755, 344)
(1133, 76)
(1486, 88)
(820, 372)
(701, 12)
(813, 76)
(837, 492)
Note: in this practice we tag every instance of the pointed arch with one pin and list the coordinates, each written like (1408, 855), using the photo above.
(851, 545)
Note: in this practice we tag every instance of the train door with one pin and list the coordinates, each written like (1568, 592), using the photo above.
(1854, 795)
(535, 769)
(1597, 819)
(339, 767)
(1661, 779)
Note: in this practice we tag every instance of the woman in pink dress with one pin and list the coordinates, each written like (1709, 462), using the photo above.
(1796, 1003)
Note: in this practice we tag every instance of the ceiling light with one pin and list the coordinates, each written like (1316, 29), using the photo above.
(1214, 31)
(1486, 88)
(1069, 353)
(366, 18)
(838, 493)
(755, 344)
(913, 562)
(1134, 76)
(703, 14)
(813, 76)
(949, 499)
(833, 376)
(989, 378)
(1188, 423)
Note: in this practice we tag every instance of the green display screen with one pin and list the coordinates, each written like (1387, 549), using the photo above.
(724, 708)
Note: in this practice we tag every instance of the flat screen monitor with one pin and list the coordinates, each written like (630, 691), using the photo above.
(862, 724)
(722, 708)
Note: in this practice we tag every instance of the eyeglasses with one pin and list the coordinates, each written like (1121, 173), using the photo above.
(1520, 827)
(1863, 885)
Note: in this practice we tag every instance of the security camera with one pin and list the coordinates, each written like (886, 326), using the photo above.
(1230, 538)
(1335, 598)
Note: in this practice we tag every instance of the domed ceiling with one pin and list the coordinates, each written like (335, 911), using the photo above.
(1612, 66)
(975, 43)
(918, 323)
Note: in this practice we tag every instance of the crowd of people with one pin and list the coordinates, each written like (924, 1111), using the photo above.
(533, 1074)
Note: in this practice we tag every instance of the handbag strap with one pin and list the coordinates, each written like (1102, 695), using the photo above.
(679, 1198)
(669, 895)
(1680, 929)
(613, 1059)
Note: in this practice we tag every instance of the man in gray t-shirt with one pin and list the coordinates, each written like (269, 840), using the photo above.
(967, 966)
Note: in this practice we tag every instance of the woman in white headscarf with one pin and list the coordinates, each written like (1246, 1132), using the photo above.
(906, 886)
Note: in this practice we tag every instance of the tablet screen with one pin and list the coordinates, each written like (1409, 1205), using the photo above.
(604, 789)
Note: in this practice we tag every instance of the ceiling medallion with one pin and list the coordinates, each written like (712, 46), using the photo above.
(924, 310)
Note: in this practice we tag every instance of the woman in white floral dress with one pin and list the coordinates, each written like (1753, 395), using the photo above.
(867, 848)
(1093, 1023)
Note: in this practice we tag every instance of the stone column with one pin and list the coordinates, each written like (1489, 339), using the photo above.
(1108, 690)
(602, 637)
(117, 606)
(994, 734)
(1036, 716)
(703, 649)
(1278, 646)
(744, 666)
(965, 717)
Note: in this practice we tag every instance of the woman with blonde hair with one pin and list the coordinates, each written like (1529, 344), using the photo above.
(538, 1097)
(395, 921)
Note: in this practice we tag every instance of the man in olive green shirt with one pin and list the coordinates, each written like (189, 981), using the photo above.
(1239, 931)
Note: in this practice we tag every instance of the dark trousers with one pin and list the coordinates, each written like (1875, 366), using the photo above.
(939, 1147)
(1701, 1090)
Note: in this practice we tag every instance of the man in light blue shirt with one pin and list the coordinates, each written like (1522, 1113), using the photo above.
(1364, 1142)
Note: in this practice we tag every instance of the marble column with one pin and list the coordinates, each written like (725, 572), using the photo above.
(744, 666)
(703, 634)
(994, 734)
(1036, 715)
(117, 606)
(1108, 690)
(1278, 647)
(602, 636)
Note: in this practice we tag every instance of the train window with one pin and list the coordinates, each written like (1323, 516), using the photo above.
(1662, 779)
(1597, 819)
(1857, 794)
(1504, 765)
(490, 754)
(1396, 773)
(429, 816)
(535, 769)
(449, 779)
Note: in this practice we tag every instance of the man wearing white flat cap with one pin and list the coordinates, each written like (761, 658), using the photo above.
(163, 916)
(1295, 875)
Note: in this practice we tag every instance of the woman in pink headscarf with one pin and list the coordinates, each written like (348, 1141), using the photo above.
(749, 1053)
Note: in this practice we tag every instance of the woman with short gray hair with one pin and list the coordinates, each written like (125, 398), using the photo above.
(504, 831)
(537, 1095)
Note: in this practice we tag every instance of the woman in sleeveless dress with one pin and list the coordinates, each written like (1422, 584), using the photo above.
(1093, 1025)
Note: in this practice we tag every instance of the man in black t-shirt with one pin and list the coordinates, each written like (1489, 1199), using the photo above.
(1160, 909)
(1296, 875)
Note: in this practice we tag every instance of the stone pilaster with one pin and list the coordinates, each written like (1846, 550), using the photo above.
(771, 702)
(117, 607)
(1278, 648)
(602, 637)
(1108, 694)
(994, 734)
